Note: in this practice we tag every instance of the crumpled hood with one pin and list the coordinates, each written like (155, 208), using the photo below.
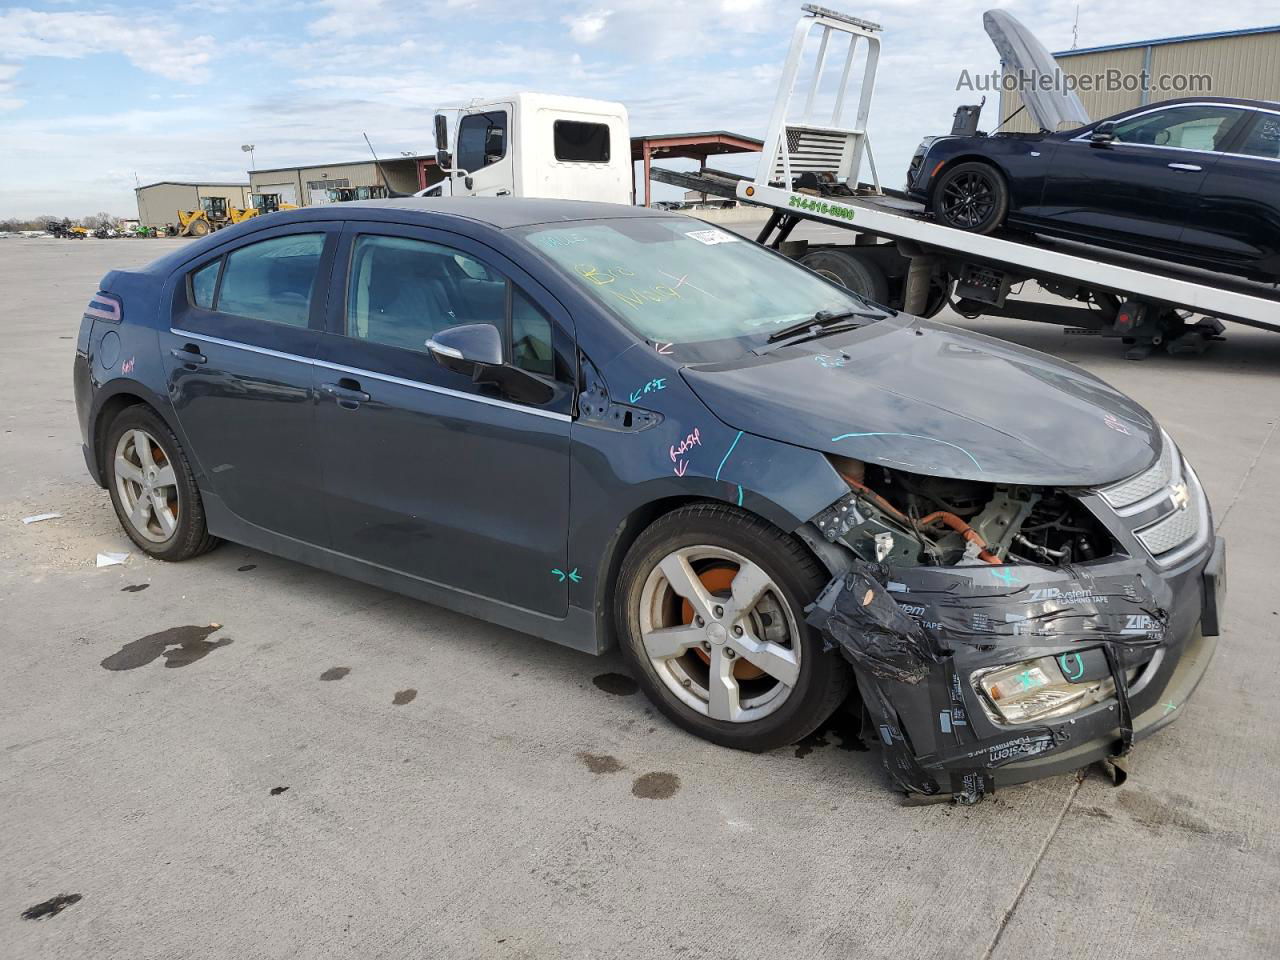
(934, 399)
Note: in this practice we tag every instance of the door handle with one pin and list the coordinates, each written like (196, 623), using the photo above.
(1189, 167)
(189, 354)
(347, 392)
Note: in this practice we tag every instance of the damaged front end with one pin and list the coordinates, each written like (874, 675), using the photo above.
(1005, 632)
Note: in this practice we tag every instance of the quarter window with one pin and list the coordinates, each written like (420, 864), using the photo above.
(482, 140)
(204, 283)
(272, 280)
(1264, 139)
(1193, 127)
(581, 142)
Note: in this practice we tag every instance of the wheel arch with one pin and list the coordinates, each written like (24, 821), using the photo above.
(960, 158)
(124, 394)
(639, 519)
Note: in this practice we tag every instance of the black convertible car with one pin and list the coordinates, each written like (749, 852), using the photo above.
(1194, 180)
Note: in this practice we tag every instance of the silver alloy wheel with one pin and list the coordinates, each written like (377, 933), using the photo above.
(701, 661)
(146, 485)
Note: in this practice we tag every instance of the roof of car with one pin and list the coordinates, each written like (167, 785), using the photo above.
(1237, 101)
(500, 212)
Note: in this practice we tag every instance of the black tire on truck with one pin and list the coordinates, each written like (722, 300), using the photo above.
(860, 275)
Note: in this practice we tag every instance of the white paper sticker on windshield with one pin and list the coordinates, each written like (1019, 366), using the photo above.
(712, 237)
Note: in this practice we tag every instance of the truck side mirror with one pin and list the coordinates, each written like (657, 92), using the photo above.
(1103, 133)
(442, 132)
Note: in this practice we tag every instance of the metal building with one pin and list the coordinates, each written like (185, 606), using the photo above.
(311, 185)
(159, 203)
(1232, 63)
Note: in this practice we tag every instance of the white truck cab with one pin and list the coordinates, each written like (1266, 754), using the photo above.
(537, 145)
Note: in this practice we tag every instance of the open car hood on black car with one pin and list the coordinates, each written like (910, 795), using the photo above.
(933, 399)
(1055, 108)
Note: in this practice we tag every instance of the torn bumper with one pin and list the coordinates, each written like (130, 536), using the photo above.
(920, 639)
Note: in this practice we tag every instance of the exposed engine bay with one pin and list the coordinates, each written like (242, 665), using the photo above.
(1000, 632)
(893, 516)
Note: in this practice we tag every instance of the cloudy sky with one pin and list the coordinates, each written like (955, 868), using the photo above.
(94, 94)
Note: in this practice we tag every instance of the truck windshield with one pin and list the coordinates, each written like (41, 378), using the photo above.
(684, 282)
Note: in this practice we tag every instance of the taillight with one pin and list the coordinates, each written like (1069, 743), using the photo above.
(105, 306)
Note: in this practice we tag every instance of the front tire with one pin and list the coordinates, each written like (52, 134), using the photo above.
(972, 197)
(710, 609)
(152, 487)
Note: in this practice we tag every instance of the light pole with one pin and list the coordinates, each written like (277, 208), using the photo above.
(248, 148)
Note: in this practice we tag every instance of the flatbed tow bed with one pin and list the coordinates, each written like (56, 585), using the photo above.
(900, 256)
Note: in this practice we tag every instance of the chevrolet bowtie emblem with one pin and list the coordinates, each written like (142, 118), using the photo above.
(1179, 495)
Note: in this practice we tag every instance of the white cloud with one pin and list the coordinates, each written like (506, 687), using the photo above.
(587, 27)
(150, 45)
(7, 72)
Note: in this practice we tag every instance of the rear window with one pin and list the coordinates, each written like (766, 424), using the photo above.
(581, 142)
(272, 280)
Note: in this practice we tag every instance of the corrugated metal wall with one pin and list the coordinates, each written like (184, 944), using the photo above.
(159, 203)
(1244, 66)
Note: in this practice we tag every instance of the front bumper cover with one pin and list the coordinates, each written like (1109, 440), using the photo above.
(916, 634)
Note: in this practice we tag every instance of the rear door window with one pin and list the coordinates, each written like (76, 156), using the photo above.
(1264, 138)
(204, 284)
(272, 280)
(579, 142)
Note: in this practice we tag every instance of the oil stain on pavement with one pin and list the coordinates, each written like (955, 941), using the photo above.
(276, 791)
(619, 684)
(135, 588)
(600, 762)
(51, 907)
(179, 646)
(335, 673)
(246, 568)
(656, 786)
(403, 697)
(845, 728)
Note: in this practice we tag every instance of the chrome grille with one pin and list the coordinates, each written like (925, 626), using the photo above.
(1151, 481)
(1173, 531)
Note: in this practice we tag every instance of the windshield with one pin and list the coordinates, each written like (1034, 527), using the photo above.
(682, 282)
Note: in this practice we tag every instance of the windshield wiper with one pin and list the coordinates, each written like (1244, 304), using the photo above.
(820, 323)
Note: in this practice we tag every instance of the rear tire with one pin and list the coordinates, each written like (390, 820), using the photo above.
(198, 228)
(768, 665)
(860, 276)
(972, 197)
(152, 487)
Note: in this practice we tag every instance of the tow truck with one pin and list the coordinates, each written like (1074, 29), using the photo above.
(809, 172)
(885, 246)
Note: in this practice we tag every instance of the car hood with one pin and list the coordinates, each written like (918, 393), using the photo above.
(1020, 52)
(934, 399)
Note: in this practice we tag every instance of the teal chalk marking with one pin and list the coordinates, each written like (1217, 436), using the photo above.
(1062, 662)
(559, 573)
(635, 395)
(739, 494)
(727, 452)
(913, 436)
(573, 575)
(1008, 576)
(1169, 707)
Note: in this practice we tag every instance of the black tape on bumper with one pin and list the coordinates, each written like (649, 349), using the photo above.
(903, 629)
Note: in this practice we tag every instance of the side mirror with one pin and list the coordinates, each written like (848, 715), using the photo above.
(1103, 133)
(442, 132)
(475, 350)
(468, 349)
